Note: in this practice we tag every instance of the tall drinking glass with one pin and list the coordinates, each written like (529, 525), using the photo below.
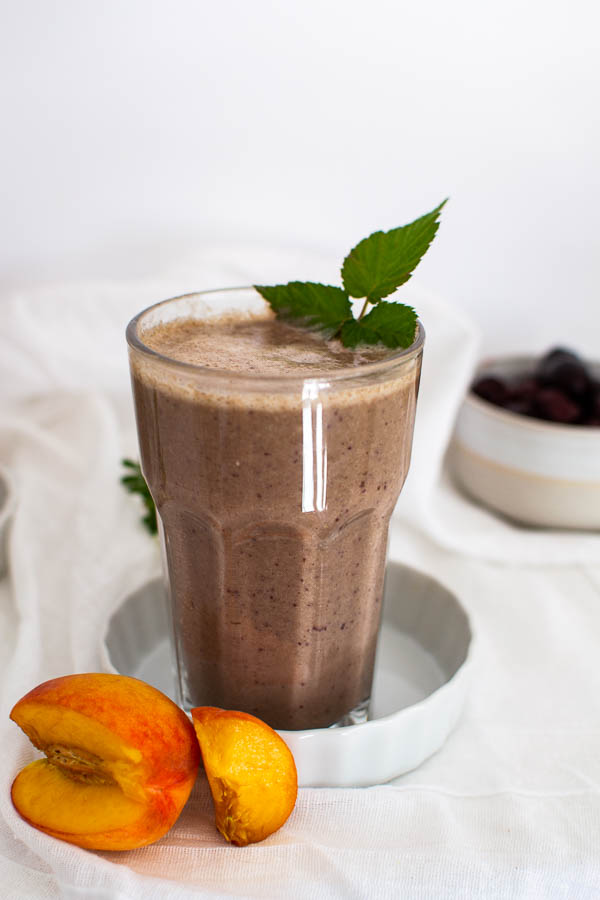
(274, 494)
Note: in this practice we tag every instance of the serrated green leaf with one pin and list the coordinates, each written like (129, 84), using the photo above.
(133, 483)
(392, 324)
(136, 484)
(353, 334)
(382, 262)
(313, 304)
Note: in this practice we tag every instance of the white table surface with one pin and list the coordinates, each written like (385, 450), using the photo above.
(509, 808)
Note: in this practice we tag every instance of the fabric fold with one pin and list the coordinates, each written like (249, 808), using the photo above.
(77, 549)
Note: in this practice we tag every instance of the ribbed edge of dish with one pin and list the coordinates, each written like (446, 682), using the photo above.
(383, 748)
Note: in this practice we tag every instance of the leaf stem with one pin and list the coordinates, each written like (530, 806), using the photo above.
(364, 309)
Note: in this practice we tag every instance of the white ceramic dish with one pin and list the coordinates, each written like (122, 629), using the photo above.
(535, 472)
(7, 504)
(421, 678)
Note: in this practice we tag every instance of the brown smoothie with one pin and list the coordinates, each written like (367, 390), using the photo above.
(274, 497)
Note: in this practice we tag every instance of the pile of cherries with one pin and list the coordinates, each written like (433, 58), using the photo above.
(560, 388)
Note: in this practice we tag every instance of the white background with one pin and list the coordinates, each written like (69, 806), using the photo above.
(134, 130)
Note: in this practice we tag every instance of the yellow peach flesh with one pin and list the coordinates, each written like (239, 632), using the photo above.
(121, 761)
(43, 793)
(251, 773)
(59, 732)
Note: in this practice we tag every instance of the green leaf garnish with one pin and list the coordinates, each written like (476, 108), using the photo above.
(382, 262)
(392, 324)
(135, 483)
(317, 305)
(375, 268)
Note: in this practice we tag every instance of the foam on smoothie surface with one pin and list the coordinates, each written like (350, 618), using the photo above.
(261, 345)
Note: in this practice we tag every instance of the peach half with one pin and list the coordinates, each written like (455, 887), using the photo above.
(121, 760)
(251, 773)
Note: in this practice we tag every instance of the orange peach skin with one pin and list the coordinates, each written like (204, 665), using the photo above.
(121, 761)
(251, 773)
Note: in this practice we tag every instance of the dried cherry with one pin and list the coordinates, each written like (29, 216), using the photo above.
(560, 388)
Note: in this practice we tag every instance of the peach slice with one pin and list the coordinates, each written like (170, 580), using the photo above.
(121, 760)
(251, 773)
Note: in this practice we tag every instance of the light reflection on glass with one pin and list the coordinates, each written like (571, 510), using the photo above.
(314, 451)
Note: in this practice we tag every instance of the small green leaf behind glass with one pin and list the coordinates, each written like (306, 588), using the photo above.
(374, 269)
(134, 482)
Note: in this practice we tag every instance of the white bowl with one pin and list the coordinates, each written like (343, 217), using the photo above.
(535, 472)
(421, 678)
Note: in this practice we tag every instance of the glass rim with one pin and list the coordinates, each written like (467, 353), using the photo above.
(397, 356)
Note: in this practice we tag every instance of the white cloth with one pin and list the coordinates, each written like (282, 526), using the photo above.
(509, 808)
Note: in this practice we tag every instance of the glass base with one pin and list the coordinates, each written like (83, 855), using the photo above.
(357, 716)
